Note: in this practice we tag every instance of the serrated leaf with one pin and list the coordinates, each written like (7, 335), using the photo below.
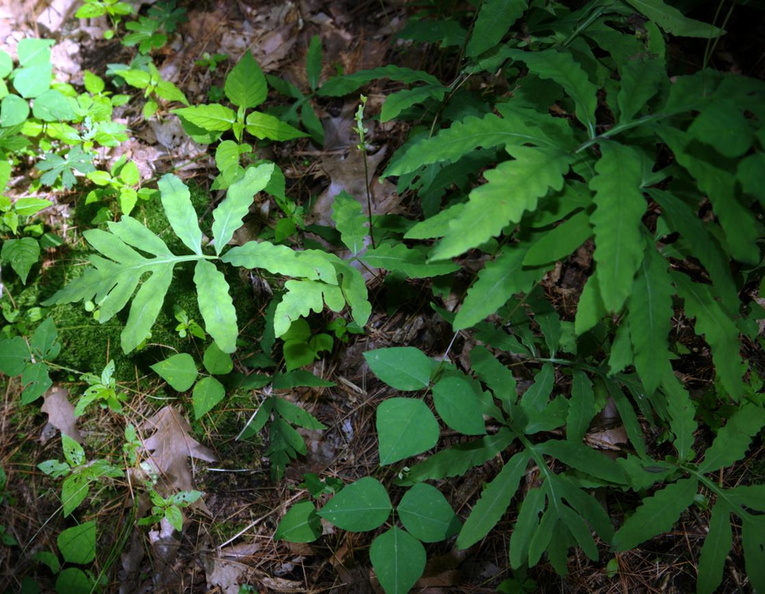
(494, 374)
(456, 461)
(300, 524)
(411, 261)
(464, 137)
(279, 259)
(212, 117)
(227, 217)
(512, 188)
(640, 80)
(656, 514)
(302, 298)
(582, 408)
(398, 560)
(456, 401)
(494, 18)
(526, 526)
(584, 459)
(493, 502)
(499, 280)
(343, 85)
(716, 547)
(672, 20)
(733, 440)
(359, 507)
(753, 539)
(350, 221)
(176, 201)
(426, 514)
(146, 306)
(617, 222)
(216, 305)
(405, 427)
(179, 371)
(718, 330)
(21, 254)
(560, 241)
(406, 98)
(627, 414)
(245, 85)
(723, 125)
(402, 368)
(261, 125)
(561, 67)
(650, 315)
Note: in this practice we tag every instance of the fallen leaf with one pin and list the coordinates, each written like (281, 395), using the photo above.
(61, 413)
(171, 446)
(227, 571)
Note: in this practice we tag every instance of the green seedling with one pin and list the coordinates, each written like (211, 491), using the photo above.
(169, 508)
(101, 389)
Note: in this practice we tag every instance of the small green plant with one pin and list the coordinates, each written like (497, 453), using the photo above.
(101, 389)
(31, 359)
(78, 473)
(114, 9)
(210, 61)
(122, 182)
(77, 546)
(302, 347)
(153, 85)
(169, 508)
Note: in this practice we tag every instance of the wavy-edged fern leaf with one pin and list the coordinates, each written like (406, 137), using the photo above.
(650, 314)
(672, 20)
(682, 414)
(640, 80)
(561, 67)
(494, 18)
(512, 188)
(411, 261)
(716, 547)
(343, 85)
(733, 440)
(617, 221)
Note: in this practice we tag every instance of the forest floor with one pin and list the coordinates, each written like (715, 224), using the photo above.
(229, 540)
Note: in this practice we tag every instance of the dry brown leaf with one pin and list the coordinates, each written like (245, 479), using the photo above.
(171, 446)
(227, 571)
(61, 413)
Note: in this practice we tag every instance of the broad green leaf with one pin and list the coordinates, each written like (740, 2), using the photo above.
(617, 222)
(580, 530)
(279, 259)
(74, 490)
(640, 80)
(437, 225)
(398, 560)
(354, 290)
(733, 440)
(582, 408)
(526, 526)
(78, 543)
(559, 242)
(176, 201)
(6, 64)
(499, 280)
(682, 413)
(753, 539)
(212, 117)
(749, 173)
(53, 106)
(402, 368)
(587, 504)
(216, 305)
(350, 221)
(650, 315)
(21, 254)
(300, 524)
(343, 85)
(746, 496)
(73, 580)
(206, 395)
(245, 85)
(456, 400)
(178, 370)
(537, 395)
(406, 98)
(672, 20)
(359, 507)
(656, 514)
(33, 81)
(216, 361)
(512, 188)
(494, 19)
(458, 459)
(397, 257)
(405, 428)
(723, 125)
(426, 514)
(36, 381)
(302, 298)
(13, 111)
(718, 330)
(136, 235)
(584, 459)
(464, 137)
(715, 550)
(146, 306)
(227, 217)
(493, 502)
(14, 354)
(499, 378)
(261, 125)
(559, 66)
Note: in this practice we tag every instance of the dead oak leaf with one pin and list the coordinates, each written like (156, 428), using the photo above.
(171, 445)
(61, 413)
